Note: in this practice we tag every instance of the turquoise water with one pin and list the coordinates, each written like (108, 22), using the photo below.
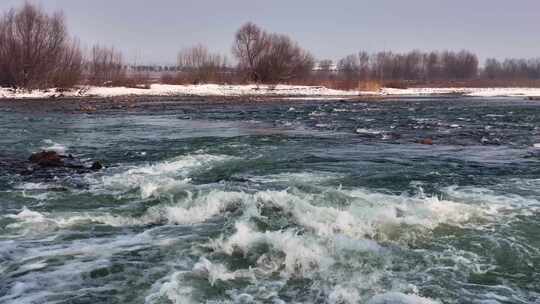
(277, 203)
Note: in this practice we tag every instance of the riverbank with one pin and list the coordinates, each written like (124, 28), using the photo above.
(210, 91)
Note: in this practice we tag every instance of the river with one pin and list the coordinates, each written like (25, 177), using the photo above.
(407, 200)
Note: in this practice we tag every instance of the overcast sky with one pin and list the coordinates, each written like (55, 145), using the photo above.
(152, 31)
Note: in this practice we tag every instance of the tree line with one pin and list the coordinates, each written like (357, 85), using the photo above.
(509, 69)
(414, 65)
(37, 51)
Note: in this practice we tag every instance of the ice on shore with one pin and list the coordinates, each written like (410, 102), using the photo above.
(290, 91)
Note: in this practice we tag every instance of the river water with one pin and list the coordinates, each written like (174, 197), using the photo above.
(290, 202)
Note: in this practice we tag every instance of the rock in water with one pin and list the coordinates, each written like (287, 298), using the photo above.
(427, 141)
(51, 159)
(47, 159)
(97, 165)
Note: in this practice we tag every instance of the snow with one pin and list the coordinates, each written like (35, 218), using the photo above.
(183, 90)
(507, 92)
(221, 90)
(290, 91)
(473, 92)
(10, 93)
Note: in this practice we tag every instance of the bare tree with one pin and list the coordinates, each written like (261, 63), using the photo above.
(413, 65)
(459, 66)
(70, 68)
(199, 65)
(432, 65)
(34, 47)
(349, 67)
(270, 57)
(249, 46)
(283, 61)
(512, 69)
(105, 66)
(401, 68)
(326, 65)
(363, 65)
(325, 69)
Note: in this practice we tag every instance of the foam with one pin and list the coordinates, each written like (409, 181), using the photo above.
(35, 280)
(340, 238)
(368, 213)
(348, 242)
(28, 215)
(32, 186)
(218, 272)
(54, 146)
(338, 230)
(492, 201)
(30, 222)
(400, 298)
(343, 295)
(191, 210)
(171, 290)
(367, 131)
(301, 255)
(37, 191)
(204, 208)
(365, 215)
(161, 177)
(326, 260)
(295, 177)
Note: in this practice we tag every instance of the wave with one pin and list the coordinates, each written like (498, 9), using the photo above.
(332, 245)
(294, 177)
(28, 222)
(161, 177)
(355, 213)
(218, 272)
(346, 240)
(172, 289)
(500, 197)
(42, 272)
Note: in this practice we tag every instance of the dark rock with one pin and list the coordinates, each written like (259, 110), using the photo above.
(97, 165)
(47, 159)
(47, 165)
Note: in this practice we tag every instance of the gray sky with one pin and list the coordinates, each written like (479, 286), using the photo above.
(152, 31)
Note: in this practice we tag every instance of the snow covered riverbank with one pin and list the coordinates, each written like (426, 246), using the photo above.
(183, 90)
(473, 92)
(261, 90)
